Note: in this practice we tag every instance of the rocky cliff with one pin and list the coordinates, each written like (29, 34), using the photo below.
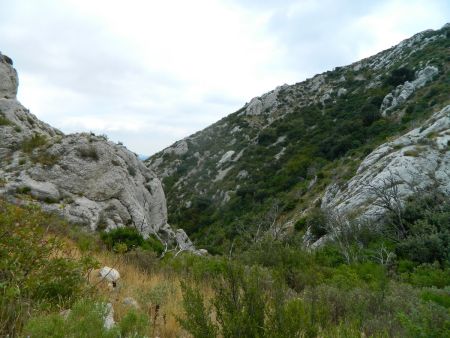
(85, 178)
(413, 162)
(314, 143)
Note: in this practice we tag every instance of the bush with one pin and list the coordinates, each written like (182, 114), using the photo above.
(34, 272)
(4, 121)
(428, 275)
(400, 76)
(425, 218)
(129, 238)
(85, 319)
(153, 244)
(428, 320)
(35, 141)
(88, 152)
(45, 158)
(134, 324)
(125, 235)
(317, 220)
(197, 320)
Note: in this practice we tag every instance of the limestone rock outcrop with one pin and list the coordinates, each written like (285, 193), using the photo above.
(402, 92)
(416, 160)
(83, 177)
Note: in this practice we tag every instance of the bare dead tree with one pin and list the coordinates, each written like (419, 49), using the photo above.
(387, 196)
(383, 256)
(267, 227)
(345, 234)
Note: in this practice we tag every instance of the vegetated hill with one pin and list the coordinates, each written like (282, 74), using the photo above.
(85, 178)
(299, 146)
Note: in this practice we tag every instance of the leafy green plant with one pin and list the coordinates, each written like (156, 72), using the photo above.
(134, 324)
(33, 271)
(197, 320)
(85, 319)
(125, 235)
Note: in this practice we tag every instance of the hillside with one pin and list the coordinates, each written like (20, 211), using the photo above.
(353, 163)
(305, 146)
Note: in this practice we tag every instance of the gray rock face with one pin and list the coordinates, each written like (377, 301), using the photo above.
(85, 178)
(402, 92)
(264, 103)
(8, 78)
(418, 159)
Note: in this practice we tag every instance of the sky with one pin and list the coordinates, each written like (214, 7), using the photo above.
(148, 73)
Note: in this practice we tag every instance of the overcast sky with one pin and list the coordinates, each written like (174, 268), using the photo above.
(148, 73)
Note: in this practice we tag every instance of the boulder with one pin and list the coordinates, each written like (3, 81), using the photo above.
(130, 301)
(109, 274)
(83, 177)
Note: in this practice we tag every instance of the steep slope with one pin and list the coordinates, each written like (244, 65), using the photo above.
(281, 151)
(84, 177)
(414, 161)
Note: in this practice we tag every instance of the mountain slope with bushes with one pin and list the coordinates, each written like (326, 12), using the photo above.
(299, 147)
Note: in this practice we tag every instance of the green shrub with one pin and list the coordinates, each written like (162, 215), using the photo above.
(197, 320)
(88, 152)
(134, 324)
(428, 275)
(4, 121)
(438, 296)
(400, 76)
(125, 235)
(425, 220)
(33, 273)
(45, 158)
(85, 319)
(152, 243)
(131, 171)
(317, 221)
(35, 141)
(23, 190)
(428, 320)
(301, 224)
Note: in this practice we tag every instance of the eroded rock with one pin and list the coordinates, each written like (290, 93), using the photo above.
(416, 160)
(83, 177)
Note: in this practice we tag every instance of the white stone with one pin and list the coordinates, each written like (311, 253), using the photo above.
(226, 157)
(130, 301)
(109, 274)
(242, 174)
(109, 317)
(341, 91)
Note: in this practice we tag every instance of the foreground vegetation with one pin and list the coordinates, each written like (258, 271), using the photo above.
(390, 285)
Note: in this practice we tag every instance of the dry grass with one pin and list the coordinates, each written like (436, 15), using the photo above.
(158, 294)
